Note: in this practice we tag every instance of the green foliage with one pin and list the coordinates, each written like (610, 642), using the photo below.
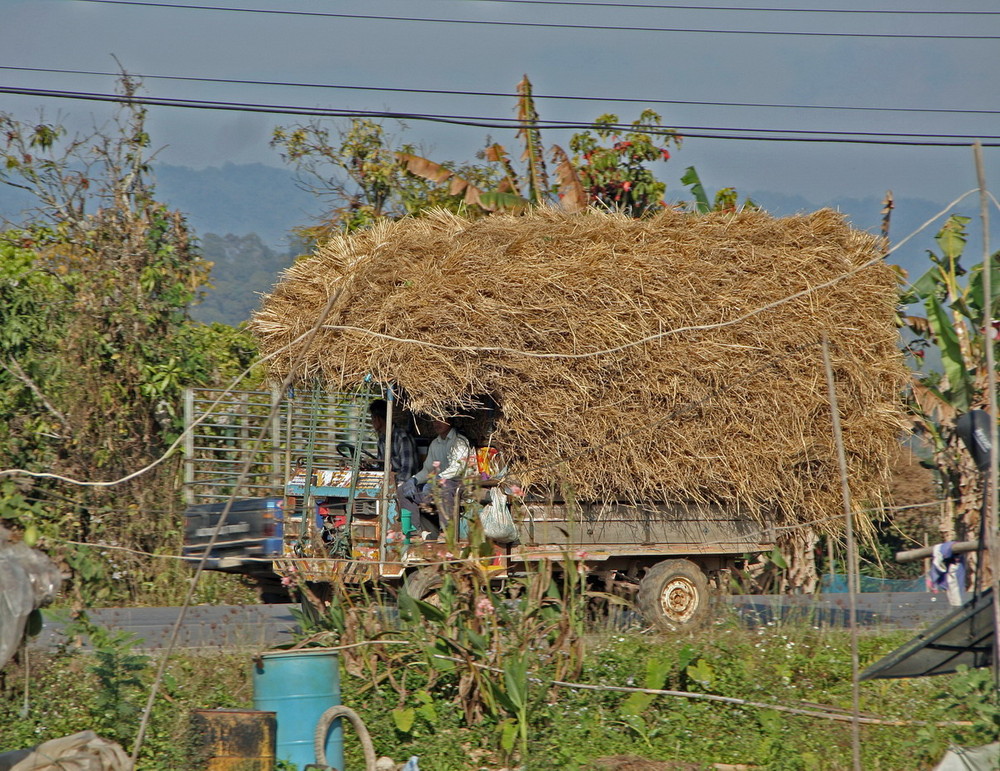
(725, 198)
(97, 346)
(419, 712)
(612, 164)
(119, 698)
(357, 169)
(365, 177)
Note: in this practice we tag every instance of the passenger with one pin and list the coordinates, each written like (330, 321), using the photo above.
(403, 459)
(438, 482)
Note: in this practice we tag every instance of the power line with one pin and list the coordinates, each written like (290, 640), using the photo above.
(731, 8)
(506, 95)
(702, 132)
(544, 25)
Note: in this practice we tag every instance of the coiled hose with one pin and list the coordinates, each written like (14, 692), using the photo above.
(323, 726)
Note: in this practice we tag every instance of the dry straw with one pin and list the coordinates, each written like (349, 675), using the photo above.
(736, 413)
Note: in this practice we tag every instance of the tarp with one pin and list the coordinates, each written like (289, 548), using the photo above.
(971, 759)
(28, 580)
(85, 751)
(964, 636)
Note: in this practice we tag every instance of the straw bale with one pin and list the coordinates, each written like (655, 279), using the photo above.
(656, 359)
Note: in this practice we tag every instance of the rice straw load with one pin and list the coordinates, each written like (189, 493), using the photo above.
(675, 358)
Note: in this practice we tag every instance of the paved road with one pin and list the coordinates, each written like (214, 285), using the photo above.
(205, 626)
(263, 626)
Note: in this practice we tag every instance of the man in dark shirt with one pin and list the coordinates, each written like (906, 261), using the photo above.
(403, 458)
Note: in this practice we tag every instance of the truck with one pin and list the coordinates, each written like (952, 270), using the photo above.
(661, 387)
(332, 520)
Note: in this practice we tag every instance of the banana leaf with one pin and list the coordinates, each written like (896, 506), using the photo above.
(951, 353)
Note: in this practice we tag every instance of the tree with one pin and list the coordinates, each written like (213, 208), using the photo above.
(612, 164)
(359, 171)
(101, 344)
(366, 177)
(614, 177)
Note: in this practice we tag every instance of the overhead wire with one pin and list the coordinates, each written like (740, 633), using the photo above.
(702, 132)
(546, 25)
(507, 95)
(739, 8)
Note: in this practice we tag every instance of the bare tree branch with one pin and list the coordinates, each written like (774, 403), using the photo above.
(15, 369)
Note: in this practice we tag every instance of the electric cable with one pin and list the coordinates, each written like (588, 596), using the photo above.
(701, 132)
(734, 8)
(547, 25)
(508, 95)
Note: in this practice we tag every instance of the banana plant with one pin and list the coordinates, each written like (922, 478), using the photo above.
(954, 329)
(514, 192)
(725, 198)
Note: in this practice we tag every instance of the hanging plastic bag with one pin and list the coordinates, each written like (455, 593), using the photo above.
(498, 524)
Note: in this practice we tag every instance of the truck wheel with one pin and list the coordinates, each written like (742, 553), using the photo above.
(424, 583)
(674, 594)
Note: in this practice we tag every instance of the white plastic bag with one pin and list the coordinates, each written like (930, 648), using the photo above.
(498, 524)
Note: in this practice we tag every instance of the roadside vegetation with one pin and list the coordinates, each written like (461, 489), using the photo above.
(420, 711)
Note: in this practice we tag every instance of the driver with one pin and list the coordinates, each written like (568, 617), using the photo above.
(403, 458)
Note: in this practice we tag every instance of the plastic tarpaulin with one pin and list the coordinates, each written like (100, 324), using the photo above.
(971, 759)
(28, 580)
(964, 636)
(85, 751)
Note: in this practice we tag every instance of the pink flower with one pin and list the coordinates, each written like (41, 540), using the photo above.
(516, 490)
(287, 581)
(581, 555)
(484, 607)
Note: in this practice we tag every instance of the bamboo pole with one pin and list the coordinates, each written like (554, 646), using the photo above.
(912, 555)
(852, 557)
(991, 380)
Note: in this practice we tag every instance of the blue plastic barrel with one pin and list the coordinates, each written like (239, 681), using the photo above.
(299, 686)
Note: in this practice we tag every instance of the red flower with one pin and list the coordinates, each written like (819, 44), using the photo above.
(666, 154)
(626, 186)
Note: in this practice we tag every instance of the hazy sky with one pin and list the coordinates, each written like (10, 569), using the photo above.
(910, 75)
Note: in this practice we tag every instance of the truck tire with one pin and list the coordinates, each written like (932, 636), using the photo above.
(424, 583)
(674, 594)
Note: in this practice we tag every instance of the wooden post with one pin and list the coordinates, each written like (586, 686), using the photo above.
(990, 512)
(852, 555)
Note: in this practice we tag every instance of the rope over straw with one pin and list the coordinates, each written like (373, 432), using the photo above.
(541, 311)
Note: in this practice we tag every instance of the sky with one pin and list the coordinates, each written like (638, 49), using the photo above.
(851, 73)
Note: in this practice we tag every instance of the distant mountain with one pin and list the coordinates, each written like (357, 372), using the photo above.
(243, 268)
(238, 199)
